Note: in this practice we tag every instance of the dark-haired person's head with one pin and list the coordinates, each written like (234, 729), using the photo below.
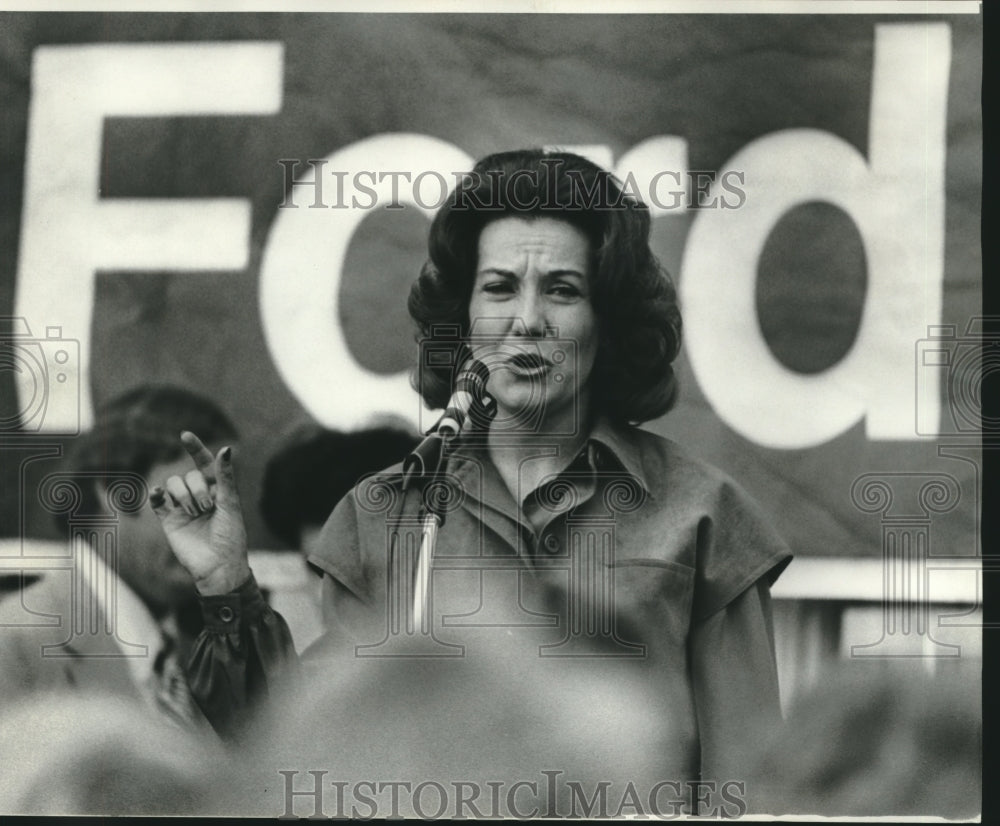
(138, 433)
(315, 469)
(561, 216)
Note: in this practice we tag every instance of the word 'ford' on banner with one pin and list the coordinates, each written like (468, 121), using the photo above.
(238, 204)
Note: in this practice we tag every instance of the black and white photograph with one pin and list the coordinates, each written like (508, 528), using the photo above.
(528, 410)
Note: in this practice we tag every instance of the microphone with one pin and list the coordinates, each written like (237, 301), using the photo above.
(423, 459)
(470, 387)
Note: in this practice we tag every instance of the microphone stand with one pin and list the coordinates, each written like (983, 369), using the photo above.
(427, 463)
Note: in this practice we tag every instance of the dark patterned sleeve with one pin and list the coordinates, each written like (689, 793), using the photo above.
(244, 654)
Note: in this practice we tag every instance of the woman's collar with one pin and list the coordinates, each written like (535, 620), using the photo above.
(618, 442)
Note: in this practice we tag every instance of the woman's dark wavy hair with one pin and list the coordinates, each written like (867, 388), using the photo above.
(633, 296)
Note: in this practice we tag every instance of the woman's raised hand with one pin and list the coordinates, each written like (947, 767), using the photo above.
(202, 518)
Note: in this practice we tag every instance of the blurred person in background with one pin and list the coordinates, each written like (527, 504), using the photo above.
(314, 469)
(125, 614)
(303, 481)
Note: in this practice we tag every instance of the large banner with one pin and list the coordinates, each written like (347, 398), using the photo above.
(239, 203)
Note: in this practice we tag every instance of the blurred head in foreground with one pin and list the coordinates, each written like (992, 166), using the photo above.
(497, 731)
(89, 755)
(879, 740)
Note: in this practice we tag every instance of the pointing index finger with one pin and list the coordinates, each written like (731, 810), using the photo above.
(203, 458)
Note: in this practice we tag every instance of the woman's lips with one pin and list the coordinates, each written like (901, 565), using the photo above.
(527, 364)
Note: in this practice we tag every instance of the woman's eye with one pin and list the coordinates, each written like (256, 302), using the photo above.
(497, 287)
(564, 290)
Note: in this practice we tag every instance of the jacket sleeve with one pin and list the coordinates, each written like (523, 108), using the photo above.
(735, 683)
(731, 640)
(244, 654)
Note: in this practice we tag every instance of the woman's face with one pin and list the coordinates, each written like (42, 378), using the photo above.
(532, 323)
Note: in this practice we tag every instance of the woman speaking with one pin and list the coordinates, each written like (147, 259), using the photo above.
(614, 541)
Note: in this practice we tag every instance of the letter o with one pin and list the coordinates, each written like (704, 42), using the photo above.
(300, 275)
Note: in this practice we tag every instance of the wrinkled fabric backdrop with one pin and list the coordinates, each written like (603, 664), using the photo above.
(483, 83)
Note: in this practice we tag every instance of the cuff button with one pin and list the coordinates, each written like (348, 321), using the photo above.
(226, 614)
